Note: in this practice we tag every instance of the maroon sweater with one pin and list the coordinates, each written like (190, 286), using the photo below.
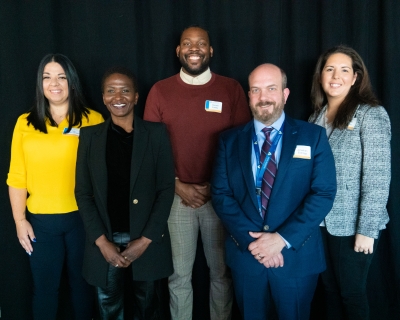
(193, 130)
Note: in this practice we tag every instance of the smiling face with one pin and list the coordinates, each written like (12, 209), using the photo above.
(266, 96)
(337, 76)
(120, 97)
(55, 84)
(194, 51)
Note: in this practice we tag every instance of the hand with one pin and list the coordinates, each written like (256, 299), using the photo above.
(111, 253)
(363, 244)
(25, 235)
(267, 246)
(204, 189)
(193, 195)
(135, 249)
(274, 262)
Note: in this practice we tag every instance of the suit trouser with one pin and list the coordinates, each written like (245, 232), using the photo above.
(292, 296)
(147, 294)
(184, 224)
(345, 278)
(59, 238)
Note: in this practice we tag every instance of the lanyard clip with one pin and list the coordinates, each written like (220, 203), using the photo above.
(258, 191)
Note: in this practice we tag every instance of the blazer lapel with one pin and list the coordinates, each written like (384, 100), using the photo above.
(245, 146)
(140, 142)
(98, 161)
(334, 138)
(289, 141)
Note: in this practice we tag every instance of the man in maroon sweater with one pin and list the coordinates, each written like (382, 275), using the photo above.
(196, 105)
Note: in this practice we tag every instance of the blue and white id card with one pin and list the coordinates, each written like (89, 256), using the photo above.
(73, 132)
(213, 106)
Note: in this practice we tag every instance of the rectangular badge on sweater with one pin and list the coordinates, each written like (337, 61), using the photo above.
(213, 106)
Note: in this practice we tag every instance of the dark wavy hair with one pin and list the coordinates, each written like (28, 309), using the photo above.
(360, 93)
(121, 70)
(40, 112)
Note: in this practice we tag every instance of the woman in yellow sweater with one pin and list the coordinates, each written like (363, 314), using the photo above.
(42, 180)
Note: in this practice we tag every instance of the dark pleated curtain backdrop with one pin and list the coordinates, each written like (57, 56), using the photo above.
(143, 35)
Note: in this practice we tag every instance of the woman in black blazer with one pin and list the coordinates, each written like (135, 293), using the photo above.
(124, 188)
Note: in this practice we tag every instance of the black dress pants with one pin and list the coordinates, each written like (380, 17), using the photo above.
(147, 298)
(345, 278)
(60, 239)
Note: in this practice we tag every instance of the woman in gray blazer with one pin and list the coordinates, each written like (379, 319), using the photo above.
(359, 135)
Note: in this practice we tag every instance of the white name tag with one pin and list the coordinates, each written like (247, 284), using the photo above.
(352, 124)
(213, 106)
(303, 152)
(74, 132)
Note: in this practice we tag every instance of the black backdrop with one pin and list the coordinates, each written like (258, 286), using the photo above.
(143, 35)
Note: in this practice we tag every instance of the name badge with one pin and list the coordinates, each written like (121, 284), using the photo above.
(74, 132)
(352, 124)
(303, 152)
(213, 106)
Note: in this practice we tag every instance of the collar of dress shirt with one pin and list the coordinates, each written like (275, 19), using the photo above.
(258, 126)
(196, 81)
(322, 121)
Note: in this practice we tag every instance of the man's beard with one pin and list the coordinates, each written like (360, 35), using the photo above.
(264, 116)
(199, 70)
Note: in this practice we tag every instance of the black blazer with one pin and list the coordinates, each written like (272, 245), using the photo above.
(151, 195)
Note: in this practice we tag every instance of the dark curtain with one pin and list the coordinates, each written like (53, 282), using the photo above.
(143, 35)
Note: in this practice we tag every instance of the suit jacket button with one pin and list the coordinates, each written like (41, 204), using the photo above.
(162, 236)
(135, 201)
(266, 227)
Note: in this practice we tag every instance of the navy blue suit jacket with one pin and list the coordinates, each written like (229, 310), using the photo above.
(302, 195)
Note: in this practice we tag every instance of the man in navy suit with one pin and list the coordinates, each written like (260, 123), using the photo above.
(274, 244)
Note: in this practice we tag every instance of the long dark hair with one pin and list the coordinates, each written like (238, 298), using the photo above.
(360, 93)
(40, 111)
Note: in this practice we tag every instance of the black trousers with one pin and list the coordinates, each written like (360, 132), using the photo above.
(147, 295)
(345, 278)
(60, 239)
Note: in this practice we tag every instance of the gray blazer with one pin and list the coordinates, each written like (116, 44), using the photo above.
(362, 159)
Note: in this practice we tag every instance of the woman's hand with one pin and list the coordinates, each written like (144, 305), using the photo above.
(24, 228)
(135, 248)
(111, 253)
(25, 235)
(364, 244)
